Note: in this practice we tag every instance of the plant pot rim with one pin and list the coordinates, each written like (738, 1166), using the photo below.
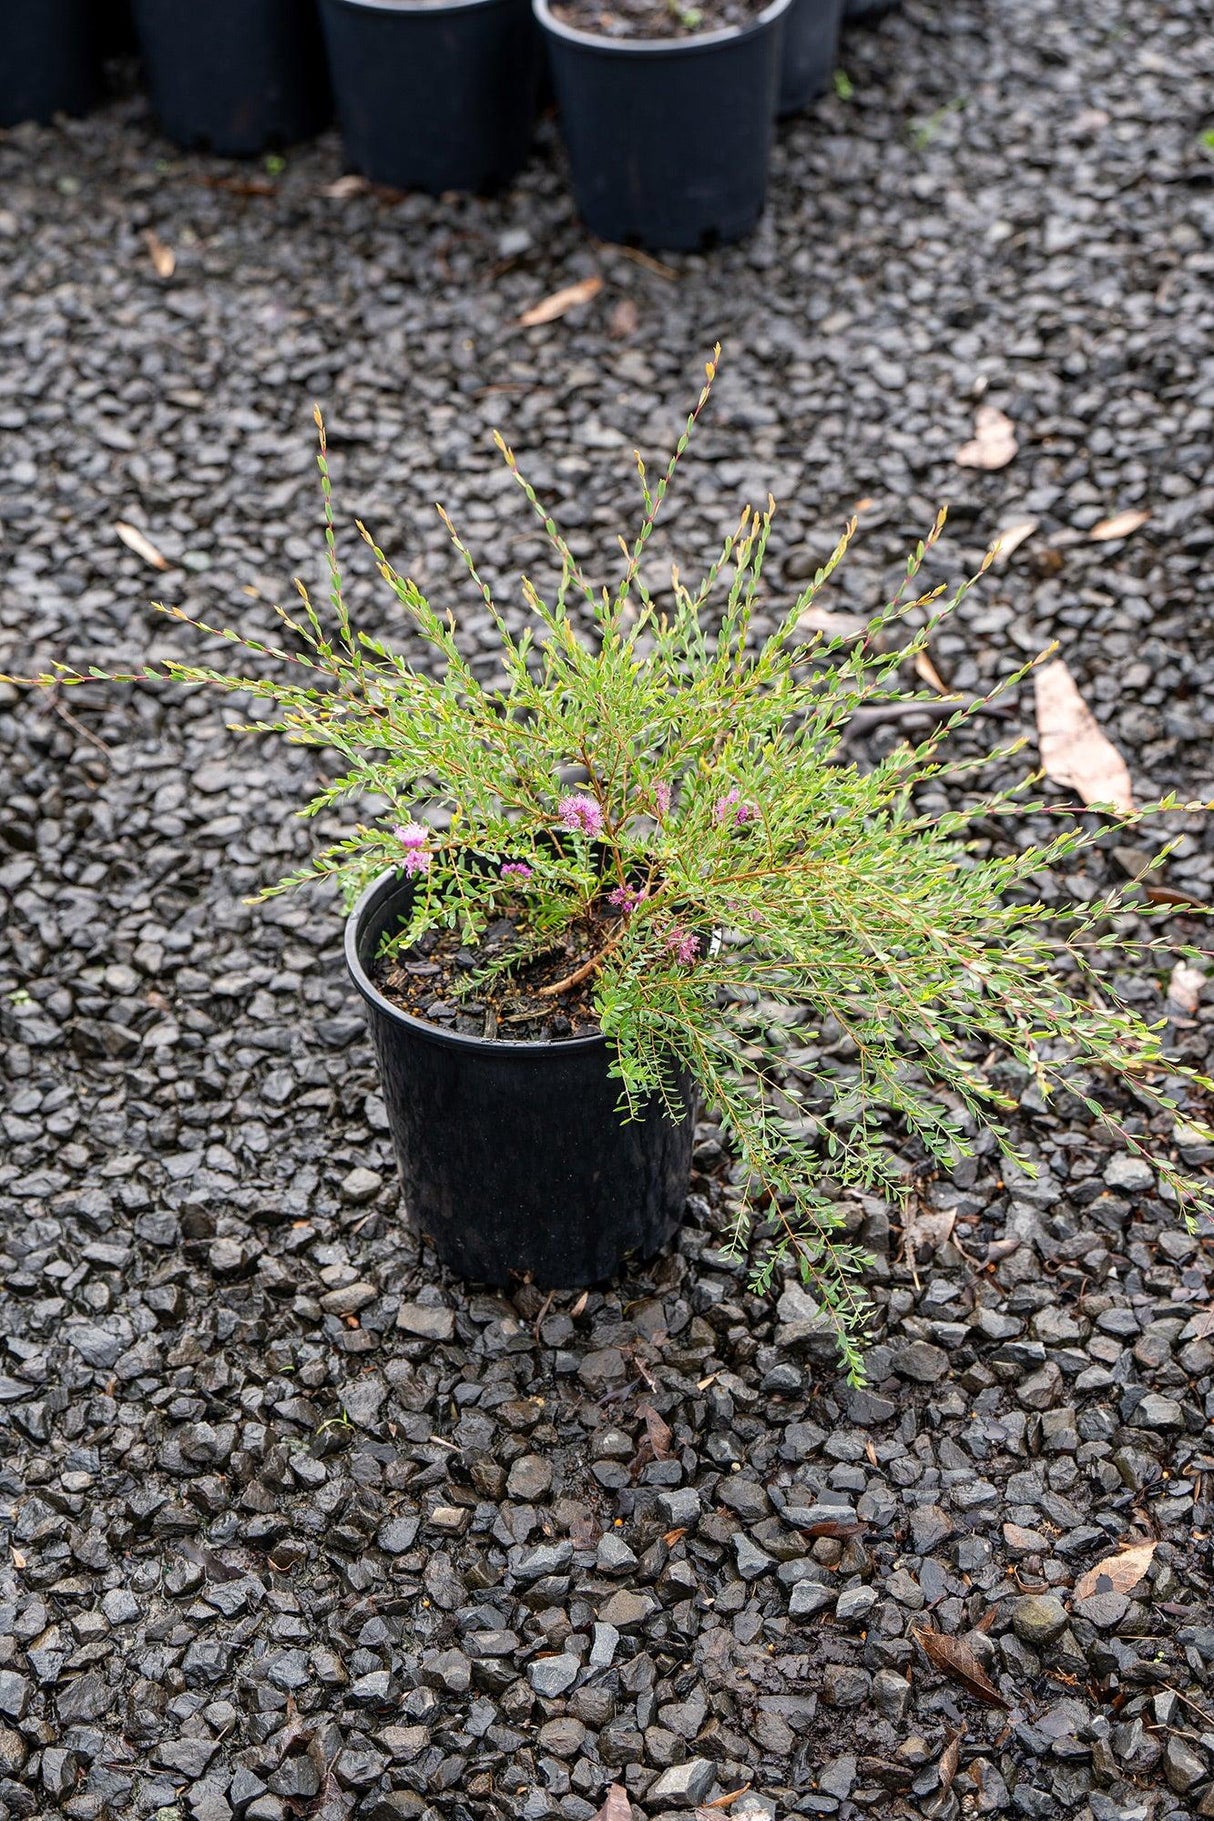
(411, 6)
(669, 47)
(534, 1048)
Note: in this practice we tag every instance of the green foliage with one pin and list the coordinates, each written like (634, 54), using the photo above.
(761, 876)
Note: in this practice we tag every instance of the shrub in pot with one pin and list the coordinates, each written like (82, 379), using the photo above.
(50, 62)
(668, 114)
(811, 51)
(434, 94)
(589, 893)
(237, 77)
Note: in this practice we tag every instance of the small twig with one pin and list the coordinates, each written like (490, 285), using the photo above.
(543, 1311)
(65, 714)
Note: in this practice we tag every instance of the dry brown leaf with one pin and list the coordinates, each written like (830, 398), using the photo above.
(927, 673)
(1012, 536)
(953, 1657)
(950, 1762)
(568, 298)
(994, 440)
(344, 187)
(727, 1800)
(924, 1230)
(1120, 525)
(1074, 752)
(832, 625)
(659, 1433)
(624, 320)
(1123, 1572)
(142, 546)
(18, 1558)
(1184, 987)
(580, 1305)
(164, 260)
(616, 1806)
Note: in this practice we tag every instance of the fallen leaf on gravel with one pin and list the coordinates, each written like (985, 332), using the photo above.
(1123, 1572)
(926, 1229)
(568, 298)
(142, 546)
(927, 673)
(727, 1800)
(950, 1762)
(1184, 987)
(952, 1657)
(343, 187)
(1074, 752)
(623, 320)
(616, 1806)
(1120, 525)
(164, 260)
(832, 625)
(1012, 537)
(580, 1304)
(659, 1433)
(994, 440)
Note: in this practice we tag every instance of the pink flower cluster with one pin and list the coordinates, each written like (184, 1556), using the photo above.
(742, 812)
(516, 869)
(682, 944)
(625, 898)
(580, 815)
(661, 796)
(413, 837)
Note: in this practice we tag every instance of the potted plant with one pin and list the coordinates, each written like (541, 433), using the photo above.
(51, 62)
(587, 896)
(811, 52)
(434, 95)
(237, 77)
(668, 112)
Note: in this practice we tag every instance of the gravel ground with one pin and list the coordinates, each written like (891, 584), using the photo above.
(299, 1528)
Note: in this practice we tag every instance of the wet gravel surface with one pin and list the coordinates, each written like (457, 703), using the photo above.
(299, 1528)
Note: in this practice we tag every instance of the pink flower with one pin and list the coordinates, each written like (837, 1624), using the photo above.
(412, 834)
(745, 812)
(416, 860)
(661, 796)
(625, 898)
(516, 869)
(682, 944)
(580, 815)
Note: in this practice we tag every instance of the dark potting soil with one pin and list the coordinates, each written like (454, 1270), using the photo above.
(431, 981)
(656, 18)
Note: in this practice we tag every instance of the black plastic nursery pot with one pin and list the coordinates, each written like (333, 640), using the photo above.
(513, 1156)
(238, 77)
(867, 10)
(811, 51)
(50, 59)
(669, 139)
(434, 95)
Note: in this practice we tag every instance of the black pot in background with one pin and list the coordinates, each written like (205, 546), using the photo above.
(237, 77)
(811, 51)
(117, 28)
(50, 59)
(865, 11)
(434, 94)
(669, 138)
(513, 1156)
